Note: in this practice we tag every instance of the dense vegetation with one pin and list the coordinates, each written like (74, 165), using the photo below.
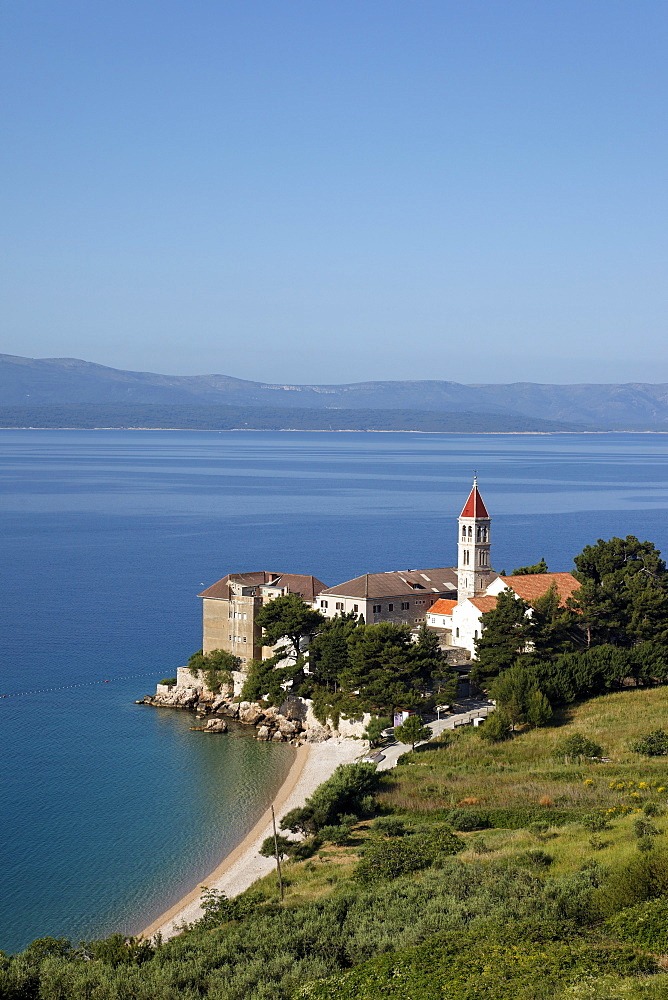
(612, 632)
(227, 417)
(548, 889)
(352, 667)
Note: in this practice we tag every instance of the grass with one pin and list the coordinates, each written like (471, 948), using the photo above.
(522, 771)
(519, 774)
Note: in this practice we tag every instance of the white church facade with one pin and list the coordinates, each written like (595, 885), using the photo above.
(460, 620)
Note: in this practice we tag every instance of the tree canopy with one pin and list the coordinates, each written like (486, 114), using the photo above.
(288, 617)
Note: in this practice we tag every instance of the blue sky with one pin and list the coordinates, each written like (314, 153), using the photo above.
(338, 191)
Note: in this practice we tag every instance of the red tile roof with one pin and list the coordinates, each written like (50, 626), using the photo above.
(483, 603)
(534, 585)
(442, 607)
(474, 506)
(306, 586)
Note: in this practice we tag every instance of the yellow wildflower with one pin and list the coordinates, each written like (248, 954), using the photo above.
(588, 782)
(643, 785)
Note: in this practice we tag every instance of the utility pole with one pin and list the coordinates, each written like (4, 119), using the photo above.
(278, 858)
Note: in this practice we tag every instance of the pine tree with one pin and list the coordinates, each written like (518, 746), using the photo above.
(505, 633)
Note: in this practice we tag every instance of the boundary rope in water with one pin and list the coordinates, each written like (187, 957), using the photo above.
(67, 687)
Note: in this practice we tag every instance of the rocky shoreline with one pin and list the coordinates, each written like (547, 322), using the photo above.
(294, 722)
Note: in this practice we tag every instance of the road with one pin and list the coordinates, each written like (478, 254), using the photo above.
(471, 709)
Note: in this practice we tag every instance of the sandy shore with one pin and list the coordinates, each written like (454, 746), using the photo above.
(314, 763)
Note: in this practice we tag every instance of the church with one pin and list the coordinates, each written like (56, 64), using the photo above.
(460, 621)
(451, 600)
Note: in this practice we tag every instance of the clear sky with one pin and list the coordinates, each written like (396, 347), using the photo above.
(311, 191)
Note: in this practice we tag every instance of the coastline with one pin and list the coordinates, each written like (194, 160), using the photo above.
(314, 763)
(329, 430)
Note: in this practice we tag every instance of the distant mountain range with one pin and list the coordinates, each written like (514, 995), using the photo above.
(29, 385)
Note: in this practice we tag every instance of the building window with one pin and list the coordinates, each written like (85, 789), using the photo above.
(377, 608)
(463, 533)
(339, 605)
(475, 634)
(457, 633)
(244, 639)
(323, 604)
(470, 533)
(405, 605)
(390, 607)
(419, 602)
(230, 638)
(356, 608)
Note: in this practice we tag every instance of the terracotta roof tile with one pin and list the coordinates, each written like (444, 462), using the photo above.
(442, 607)
(483, 603)
(474, 506)
(534, 585)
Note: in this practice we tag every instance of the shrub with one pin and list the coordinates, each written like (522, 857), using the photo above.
(539, 829)
(169, 681)
(389, 826)
(347, 791)
(338, 835)
(643, 827)
(595, 823)
(218, 909)
(216, 667)
(539, 858)
(645, 924)
(652, 809)
(643, 877)
(652, 745)
(268, 849)
(468, 819)
(577, 745)
(388, 859)
(304, 849)
(497, 727)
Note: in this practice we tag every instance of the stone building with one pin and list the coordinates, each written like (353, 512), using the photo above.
(230, 606)
(401, 597)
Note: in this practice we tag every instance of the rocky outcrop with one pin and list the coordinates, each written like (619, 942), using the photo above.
(212, 726)
(250, 714)
(293, 722)
(172, 697)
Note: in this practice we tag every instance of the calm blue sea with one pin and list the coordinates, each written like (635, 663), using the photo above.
(111, 811)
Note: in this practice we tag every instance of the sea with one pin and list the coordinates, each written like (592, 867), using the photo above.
(110, 811)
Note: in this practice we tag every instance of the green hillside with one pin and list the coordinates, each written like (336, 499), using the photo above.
(554, 884)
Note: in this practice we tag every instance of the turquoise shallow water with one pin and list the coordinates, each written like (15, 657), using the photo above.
(111, 811)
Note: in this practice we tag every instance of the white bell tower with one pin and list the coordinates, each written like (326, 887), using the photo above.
(473, 565)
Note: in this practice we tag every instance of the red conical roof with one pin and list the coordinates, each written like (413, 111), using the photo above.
(474, 506)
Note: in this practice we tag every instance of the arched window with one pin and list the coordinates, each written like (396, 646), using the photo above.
(463, 532)
(470, 532)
